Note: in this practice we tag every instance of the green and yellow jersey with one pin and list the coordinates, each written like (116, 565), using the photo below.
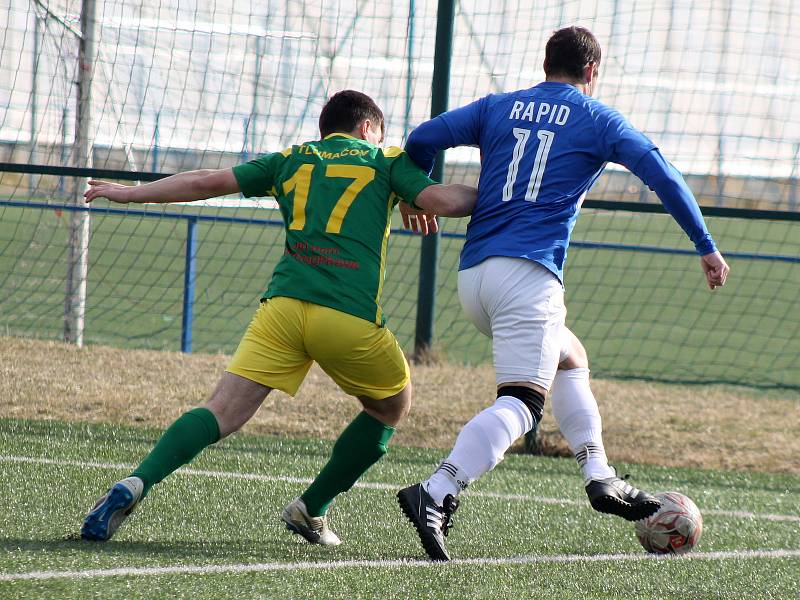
(336, 196)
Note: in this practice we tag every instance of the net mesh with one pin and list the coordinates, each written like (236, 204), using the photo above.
(179, 86)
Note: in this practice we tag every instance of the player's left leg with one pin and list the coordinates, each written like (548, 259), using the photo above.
(576, 412)
(365, 361)
(362, 443)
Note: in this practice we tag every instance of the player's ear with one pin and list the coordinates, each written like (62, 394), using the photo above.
(588, 73)
(363, 128)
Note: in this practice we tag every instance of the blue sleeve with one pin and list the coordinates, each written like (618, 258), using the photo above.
(458, 127)
(665, 180)
(620, 141)
(426, 140)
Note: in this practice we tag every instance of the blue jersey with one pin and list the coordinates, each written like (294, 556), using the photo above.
(541, 150)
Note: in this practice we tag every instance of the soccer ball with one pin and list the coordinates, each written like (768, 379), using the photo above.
(674, 529)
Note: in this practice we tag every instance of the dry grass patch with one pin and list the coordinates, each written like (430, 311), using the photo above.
(700, 426)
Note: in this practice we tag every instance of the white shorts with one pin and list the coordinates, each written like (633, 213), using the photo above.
(520, 305)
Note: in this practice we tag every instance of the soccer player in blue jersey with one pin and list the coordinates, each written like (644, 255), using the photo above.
(542, 148)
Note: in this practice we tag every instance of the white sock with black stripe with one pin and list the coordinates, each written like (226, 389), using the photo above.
(446, 479)
(480, 446)
(575, 410)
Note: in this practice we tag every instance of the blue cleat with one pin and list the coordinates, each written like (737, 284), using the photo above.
(112, 509)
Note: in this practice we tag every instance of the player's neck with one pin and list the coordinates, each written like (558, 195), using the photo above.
(581, 85)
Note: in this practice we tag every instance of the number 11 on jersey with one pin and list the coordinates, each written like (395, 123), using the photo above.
(535, 181)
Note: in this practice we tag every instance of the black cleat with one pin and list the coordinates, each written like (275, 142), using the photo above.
(432, 522)
(616, 496)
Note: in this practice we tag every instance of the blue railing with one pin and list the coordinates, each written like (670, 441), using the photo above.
(193, 220)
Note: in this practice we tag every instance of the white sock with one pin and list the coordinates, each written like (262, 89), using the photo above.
(480, 446)
(575, 410)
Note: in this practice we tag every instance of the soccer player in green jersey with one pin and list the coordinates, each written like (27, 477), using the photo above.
(336, 196)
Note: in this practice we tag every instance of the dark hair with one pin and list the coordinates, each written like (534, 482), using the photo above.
(346, 109)
(569, 50)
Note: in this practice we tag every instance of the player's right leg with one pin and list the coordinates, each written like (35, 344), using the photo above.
(578, 417)
(233, 402)
(254, 370)
(520, 304)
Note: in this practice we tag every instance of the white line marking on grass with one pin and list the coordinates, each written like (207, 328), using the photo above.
(738, 514)
(382, 564)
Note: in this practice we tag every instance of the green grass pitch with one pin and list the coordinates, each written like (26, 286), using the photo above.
(213, 529)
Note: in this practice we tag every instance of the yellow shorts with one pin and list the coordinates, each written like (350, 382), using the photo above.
(287, 334)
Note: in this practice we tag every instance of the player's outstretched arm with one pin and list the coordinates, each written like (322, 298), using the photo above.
(183, 187)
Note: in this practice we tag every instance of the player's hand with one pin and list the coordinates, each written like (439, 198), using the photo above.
(715, 269)
(116, 192)
(418, 221)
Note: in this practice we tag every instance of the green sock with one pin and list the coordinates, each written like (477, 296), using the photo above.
(179, 444)
(360, 446)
